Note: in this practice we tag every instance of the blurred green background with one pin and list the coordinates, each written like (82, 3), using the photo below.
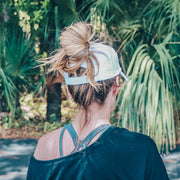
(146, 36)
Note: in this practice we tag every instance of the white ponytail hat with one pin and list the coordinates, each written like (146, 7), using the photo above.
(108, 66)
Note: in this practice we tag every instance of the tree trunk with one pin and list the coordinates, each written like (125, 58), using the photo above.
(3, 104)
(54, 102)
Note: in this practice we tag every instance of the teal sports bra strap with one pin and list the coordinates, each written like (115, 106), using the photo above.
(60, 141)
(84, 143)
(96, 131)
(73, 134)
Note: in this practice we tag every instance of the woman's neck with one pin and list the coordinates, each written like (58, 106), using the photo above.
(89, 119)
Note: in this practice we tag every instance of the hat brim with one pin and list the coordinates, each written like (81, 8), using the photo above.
(124, 76)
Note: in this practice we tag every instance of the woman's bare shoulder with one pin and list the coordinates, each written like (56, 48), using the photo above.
(48, 146)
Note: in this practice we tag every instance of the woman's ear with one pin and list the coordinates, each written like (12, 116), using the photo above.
(117, 81)
(115, 90)
(116, 86)
(69, 91)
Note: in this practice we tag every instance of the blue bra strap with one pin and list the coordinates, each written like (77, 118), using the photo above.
(81, 144)
(60, 141)
(73, 133)
(84, 143)
(96, 131)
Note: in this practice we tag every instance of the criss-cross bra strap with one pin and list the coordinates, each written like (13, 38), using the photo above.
(84, 143)
(80, 144)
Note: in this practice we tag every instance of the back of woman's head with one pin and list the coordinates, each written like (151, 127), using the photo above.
(77, 59)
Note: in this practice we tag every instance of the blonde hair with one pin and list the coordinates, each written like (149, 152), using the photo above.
(75, 42)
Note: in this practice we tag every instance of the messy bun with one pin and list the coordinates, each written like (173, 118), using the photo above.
(75, 42)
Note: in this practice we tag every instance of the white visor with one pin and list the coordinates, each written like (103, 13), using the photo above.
(108, 66)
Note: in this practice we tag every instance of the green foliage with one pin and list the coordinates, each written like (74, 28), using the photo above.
(146, 105)
(48, 127)
(5, 122)
(33, 114)
(148, 41)
(146, 36)
(33, 108)
(67, 12)
(17, 62)
(20, 59)
(36, 10)
(102, 8)
(163, 17)
(69, 110)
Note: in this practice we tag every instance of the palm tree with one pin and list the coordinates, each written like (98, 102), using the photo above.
(64, 14)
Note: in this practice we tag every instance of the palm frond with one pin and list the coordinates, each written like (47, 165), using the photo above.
(145, 103)
(9, 92)
(128, 31)
(163, 17)
(17, 62)
(20, 57)
(102, 8)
